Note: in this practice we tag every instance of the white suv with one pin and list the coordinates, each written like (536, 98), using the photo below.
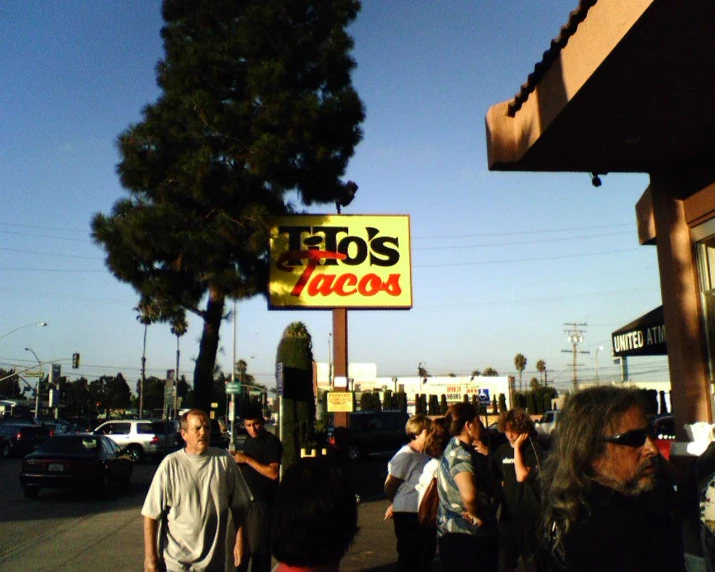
(547, 424)
(140, 437)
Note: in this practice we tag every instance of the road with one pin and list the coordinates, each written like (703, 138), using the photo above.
(25, 523)
(61, 530)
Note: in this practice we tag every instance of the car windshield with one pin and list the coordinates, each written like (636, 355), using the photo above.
(73, 444)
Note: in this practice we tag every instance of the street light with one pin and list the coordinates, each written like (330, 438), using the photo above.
(598, 349)
(37, 388)
(40, 325)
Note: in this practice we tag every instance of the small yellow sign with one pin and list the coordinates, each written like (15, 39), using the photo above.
(340, 261)
(340, 402)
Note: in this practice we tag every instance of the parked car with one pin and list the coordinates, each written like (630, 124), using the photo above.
(494, 438)
(375, 433)
(138, 436)
(169, 432)
(19, 439)
(80, 461)
(219, 438)
(663, 429)
(56, 426)
(547, 423)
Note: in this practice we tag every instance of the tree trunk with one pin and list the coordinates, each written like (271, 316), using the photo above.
(208, 347)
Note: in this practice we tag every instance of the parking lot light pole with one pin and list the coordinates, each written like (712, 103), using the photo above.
(37, 387)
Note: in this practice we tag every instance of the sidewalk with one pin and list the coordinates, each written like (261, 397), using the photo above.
(114, 541)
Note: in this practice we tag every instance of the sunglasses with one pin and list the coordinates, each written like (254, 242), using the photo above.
(634, 438)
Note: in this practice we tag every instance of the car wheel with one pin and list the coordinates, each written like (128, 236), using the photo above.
(136, 452)
(6, 450)
(355, 453)
(31, 492)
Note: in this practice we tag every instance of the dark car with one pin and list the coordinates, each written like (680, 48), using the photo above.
(663, 428)
(218, 437)
(493, 438)
(79, 461)
(19, 439)
(375, 433)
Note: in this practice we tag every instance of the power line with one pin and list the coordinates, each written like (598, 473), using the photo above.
(515, 233)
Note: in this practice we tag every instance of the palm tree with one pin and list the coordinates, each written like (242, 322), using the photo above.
(541, 368)
(520, 364)
(147, 315)
(422, 371)
(179, 326)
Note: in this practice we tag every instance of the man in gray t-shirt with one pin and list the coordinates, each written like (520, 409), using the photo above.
(189, 500)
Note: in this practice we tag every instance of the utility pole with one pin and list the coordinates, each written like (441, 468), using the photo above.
(575, 336)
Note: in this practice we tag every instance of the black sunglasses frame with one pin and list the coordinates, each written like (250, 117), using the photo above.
(635, 438)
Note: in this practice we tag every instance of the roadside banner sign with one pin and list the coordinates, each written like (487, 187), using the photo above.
(340, 402)
(484, 398)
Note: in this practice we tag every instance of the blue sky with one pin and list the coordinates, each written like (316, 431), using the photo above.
(501, 261)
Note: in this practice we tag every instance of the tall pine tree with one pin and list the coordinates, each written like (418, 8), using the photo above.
(256, 101)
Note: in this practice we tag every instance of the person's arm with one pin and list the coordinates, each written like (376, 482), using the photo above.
(468, 492)
(151, 558)
(522, 470)
(391, 485)
(238, 548)
(270, 471)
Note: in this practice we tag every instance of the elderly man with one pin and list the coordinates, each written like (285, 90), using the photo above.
(189, 499)
(606, 505)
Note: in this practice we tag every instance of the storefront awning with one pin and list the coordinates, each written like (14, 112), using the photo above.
(625, 87)
(644, 336)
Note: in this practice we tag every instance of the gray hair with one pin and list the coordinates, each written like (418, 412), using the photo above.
(568, 473)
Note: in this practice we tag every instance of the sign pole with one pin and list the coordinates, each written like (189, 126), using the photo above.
(340, 359)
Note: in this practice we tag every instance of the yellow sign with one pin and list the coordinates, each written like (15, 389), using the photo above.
(340, 261)
(340, 402)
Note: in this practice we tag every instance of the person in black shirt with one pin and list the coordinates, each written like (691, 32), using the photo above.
(515, 465)
(606, 502)
(260, 463)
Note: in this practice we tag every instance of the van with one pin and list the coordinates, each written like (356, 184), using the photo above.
(376, 433)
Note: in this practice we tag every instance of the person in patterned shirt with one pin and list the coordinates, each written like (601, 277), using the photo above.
(466, 517)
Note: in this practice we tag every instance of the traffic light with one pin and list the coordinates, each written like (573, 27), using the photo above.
(75, 361)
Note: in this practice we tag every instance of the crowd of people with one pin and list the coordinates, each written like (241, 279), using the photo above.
(601, 498)
(201, 493)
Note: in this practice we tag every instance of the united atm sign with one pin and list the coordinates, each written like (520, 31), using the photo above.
(340, 261)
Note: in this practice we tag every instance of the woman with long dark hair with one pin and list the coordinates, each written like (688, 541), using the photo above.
(466, 518)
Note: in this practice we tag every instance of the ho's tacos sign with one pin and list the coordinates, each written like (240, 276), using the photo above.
(340, 261)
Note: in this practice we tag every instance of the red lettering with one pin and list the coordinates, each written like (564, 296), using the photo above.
(322, 284)
(325, 283)
(343, 280)
(369, 285)
(392, 286)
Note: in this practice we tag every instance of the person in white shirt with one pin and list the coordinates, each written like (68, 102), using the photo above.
(404, 470)
(187, 507)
